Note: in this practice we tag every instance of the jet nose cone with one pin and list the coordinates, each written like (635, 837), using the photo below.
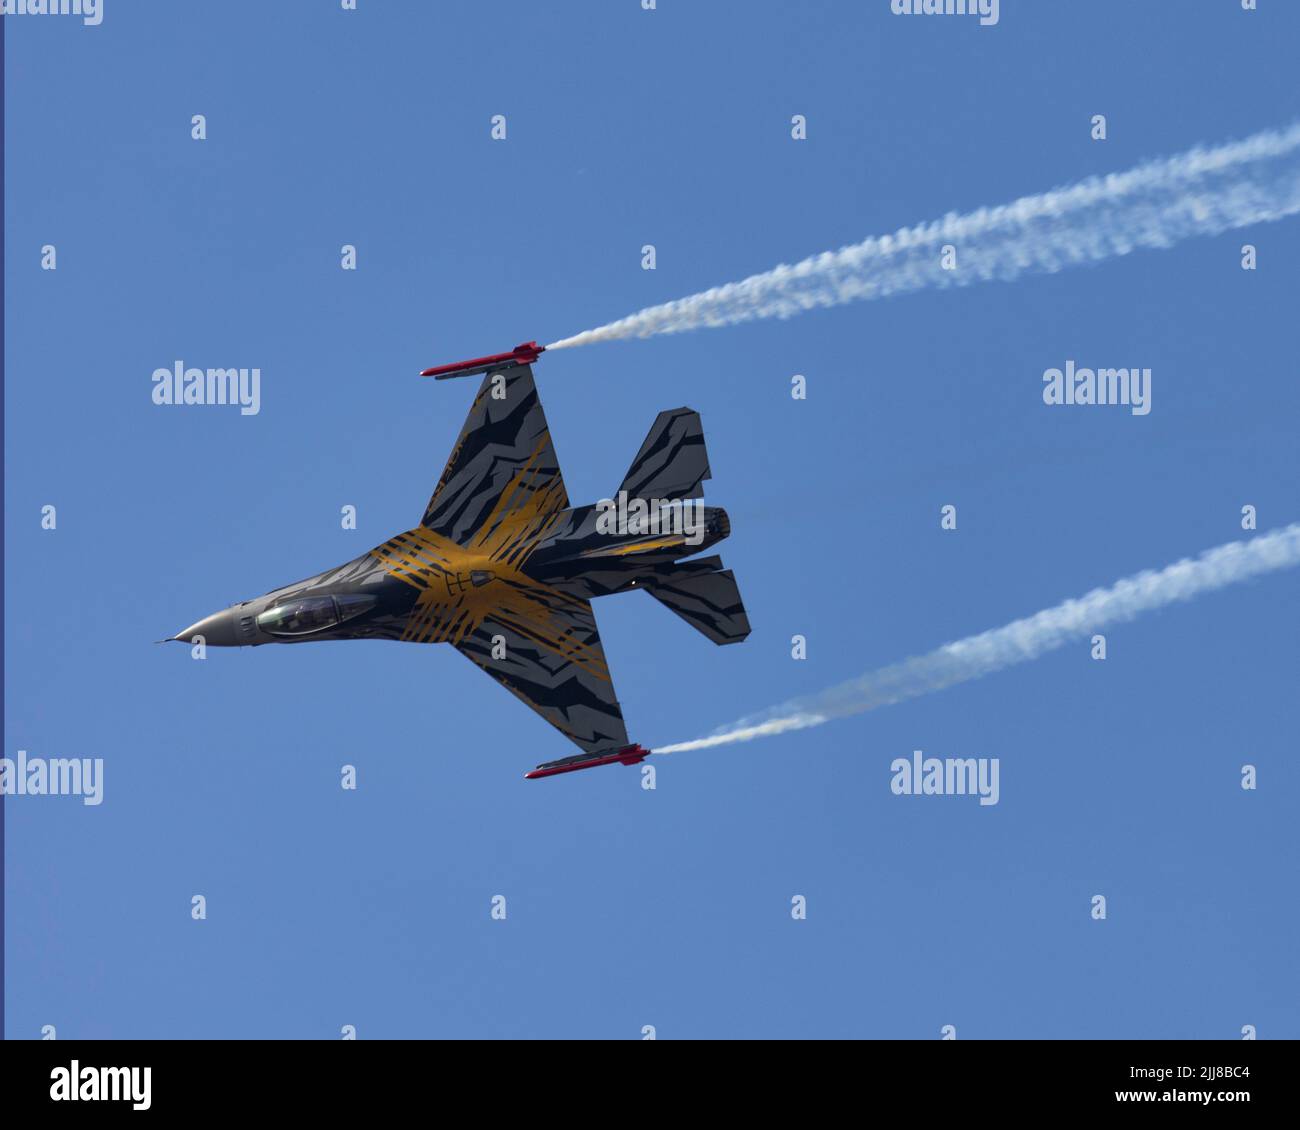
(217, 630)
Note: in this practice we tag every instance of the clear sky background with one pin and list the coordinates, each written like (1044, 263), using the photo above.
(629, 907)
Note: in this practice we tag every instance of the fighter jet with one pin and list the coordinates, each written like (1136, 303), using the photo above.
(504, 569)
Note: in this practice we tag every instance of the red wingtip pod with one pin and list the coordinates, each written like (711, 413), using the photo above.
(524, 354)
(632, 754)
(627, 755)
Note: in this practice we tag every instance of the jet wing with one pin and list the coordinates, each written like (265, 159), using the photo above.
(549, 655)
(503, 468)
(497, 499)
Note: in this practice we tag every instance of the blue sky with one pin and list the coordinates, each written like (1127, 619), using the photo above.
(629, 907)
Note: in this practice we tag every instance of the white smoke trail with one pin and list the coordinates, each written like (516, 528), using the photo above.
(1157, 204)
(1019, 641)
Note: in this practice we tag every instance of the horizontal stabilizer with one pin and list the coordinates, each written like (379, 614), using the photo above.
(709, 602)
(673, 462)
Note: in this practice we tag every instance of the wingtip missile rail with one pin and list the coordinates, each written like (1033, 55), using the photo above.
(524, 354)
(624, 755)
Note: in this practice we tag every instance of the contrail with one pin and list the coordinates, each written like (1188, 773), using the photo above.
(1157, 204)
(1021, 640)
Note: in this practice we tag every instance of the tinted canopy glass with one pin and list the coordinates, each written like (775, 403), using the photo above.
(298, 617)
(310, 614)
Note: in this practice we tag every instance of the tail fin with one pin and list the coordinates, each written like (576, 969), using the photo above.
(708, 601)
(672, 462)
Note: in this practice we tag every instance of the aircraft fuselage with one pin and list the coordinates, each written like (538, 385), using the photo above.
(421, 587)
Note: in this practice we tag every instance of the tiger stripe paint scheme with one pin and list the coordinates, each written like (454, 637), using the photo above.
(504, 570)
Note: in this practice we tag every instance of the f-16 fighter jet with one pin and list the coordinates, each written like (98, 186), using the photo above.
(504, 569)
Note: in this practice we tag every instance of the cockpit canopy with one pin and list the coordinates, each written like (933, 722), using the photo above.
(309, 614)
